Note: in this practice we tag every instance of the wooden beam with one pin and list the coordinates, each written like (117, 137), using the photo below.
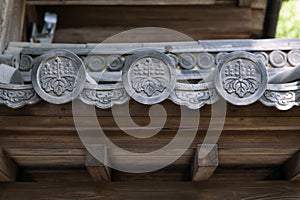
(271, 19)
(291, 168)
(47, 123)
(98, 171)
(120, 2)
(245, 3)
(8, 169)
(205, 162)
(155, 190)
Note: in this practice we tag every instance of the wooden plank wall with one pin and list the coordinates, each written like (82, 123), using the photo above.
(211, 19)
(251, 146)
(100, 19)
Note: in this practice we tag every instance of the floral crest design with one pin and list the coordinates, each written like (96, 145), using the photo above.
(58, 76)
(148, 77)
(240, 79)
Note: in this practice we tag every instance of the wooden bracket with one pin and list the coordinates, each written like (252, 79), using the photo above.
(8, 169)
(291, 169)
(98, 171)
(205, 162)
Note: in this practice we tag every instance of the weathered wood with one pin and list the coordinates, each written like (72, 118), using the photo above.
(228, 156)
(254, 3)
(182, 173)
(155, 190)
(98, 171)
(291, 169)
(206, 161)
(201, 23)
(29, 123)
(120, 2)
(8, 170)
(245, 3)
(113, 16)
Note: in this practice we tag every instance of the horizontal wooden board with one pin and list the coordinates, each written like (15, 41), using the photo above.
(40, 124)
(222, 18)
(120, 2)
(66, 139)
(98, 23)
(100, 34)
(254, 3)
(166, 174)
(154, 190)
(228, 157)
(138, 110)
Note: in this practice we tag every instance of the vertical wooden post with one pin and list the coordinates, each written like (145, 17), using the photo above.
(18, 18)
(98, 171)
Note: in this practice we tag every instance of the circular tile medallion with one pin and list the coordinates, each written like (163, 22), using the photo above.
(58, 76)
(149, 76)
(241, 78)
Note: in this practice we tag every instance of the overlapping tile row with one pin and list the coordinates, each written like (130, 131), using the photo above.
(192, 74)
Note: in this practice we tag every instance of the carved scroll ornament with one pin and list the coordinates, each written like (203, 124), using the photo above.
(193, 76)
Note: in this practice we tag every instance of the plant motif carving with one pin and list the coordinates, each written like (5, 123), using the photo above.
(58, 76)
(149, 77)
(240, 79)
